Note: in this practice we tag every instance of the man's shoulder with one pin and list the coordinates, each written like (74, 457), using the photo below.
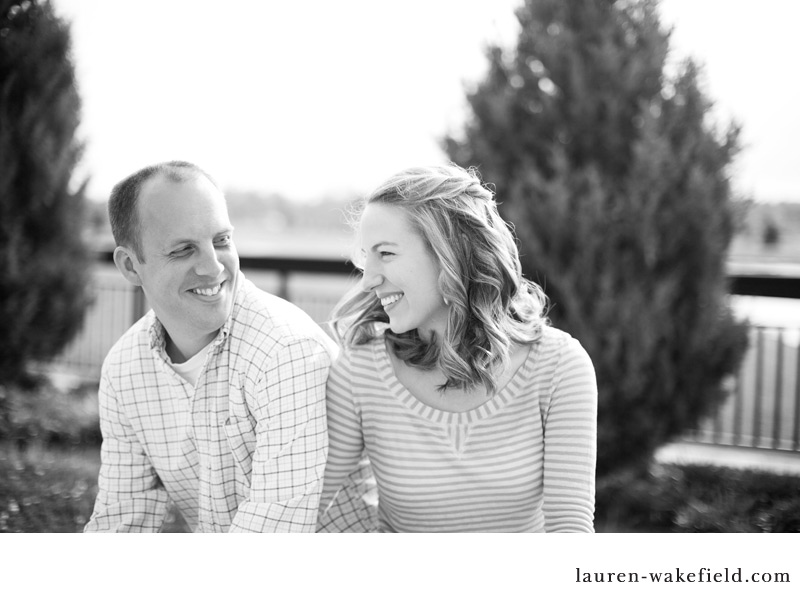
(273, 319)
(132, 343)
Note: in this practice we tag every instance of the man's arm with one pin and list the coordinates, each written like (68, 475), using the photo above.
(291, 442)
(130, 494)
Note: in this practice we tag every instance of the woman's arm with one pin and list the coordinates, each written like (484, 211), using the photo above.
(570, 443)
(349, 487)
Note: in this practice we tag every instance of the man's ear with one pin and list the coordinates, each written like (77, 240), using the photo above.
(127, 263)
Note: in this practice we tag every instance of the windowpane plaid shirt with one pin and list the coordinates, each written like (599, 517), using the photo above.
(243, 450)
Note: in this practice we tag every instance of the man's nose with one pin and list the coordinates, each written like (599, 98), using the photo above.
(208, 263)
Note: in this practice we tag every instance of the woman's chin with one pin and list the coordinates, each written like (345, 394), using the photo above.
(397, 328)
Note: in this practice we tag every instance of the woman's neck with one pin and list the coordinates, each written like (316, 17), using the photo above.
(425, 385)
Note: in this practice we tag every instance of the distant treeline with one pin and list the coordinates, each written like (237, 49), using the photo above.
(765, 227)
(269, 212)
(769, 230)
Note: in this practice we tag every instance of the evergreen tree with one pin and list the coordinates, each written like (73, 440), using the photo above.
(618, 187)
(43, 260)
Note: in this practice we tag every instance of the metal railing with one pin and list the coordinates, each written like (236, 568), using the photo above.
(314, 285)
(763, 410)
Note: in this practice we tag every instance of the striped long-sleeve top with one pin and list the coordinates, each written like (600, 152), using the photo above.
(522, 461)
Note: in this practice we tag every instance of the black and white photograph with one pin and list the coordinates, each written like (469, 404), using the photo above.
(452, 269)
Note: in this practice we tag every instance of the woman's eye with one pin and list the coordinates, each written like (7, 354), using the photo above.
(385, 253)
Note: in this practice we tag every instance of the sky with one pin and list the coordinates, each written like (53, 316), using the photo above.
(320, 99)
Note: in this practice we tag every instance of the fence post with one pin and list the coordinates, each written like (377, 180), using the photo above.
(738, 404)
(756, 441)
(776, 412)
(796, 428)
(283, 284)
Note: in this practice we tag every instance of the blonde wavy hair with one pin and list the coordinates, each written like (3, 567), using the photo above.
(491, 305)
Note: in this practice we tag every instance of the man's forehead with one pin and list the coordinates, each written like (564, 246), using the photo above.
(165, 182)
(171, 211)
(162, 190)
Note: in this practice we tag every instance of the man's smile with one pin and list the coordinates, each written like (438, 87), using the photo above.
(208, 291)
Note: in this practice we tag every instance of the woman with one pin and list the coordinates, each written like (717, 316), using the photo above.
(475, 414)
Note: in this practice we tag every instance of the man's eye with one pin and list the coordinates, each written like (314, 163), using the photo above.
(222, 241)
(181, 252)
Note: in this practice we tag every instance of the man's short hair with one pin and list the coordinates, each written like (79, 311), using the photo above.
(123, 211)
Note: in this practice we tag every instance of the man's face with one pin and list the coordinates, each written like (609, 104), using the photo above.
(190, 262)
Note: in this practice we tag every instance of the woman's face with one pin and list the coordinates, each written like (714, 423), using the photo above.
(401, 271)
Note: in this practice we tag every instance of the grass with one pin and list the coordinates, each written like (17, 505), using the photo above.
(50, 458)
(46, 489)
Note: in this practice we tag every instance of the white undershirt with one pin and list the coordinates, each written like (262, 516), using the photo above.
(190, 370)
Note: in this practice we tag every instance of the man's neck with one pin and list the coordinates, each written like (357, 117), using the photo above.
(182, 351)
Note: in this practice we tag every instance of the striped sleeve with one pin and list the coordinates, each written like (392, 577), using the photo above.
(570, 443)
(345, 504)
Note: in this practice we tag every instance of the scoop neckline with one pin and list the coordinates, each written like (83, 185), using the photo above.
(509, 391)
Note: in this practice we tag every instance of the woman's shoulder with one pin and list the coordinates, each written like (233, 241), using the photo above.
(557, 344)
(359, 369)
(365, 347)
(361, 354)
(553, 338)
(361, 341)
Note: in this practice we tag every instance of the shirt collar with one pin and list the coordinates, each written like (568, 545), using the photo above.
(158, 336)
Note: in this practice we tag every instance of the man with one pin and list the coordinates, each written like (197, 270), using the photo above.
(215, 399)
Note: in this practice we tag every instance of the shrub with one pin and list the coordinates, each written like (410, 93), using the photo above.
(618, 189)
(697, 498)
(50, 415)
(43, 260)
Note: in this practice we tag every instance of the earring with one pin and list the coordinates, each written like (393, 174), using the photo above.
(446, 302)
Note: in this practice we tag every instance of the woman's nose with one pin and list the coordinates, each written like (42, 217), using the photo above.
(372, 278)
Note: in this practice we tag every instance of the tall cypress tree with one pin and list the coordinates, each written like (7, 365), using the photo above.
(618, 187)
(43, 260)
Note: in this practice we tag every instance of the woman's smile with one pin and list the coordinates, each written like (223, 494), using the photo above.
(389, 300)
